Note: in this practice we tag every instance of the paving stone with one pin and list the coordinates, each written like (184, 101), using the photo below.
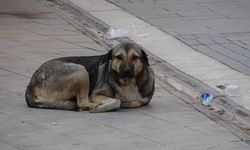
(121, 140)
(247, 42)
(238, 49)
(53, 44)
(205, 50)
(50, 21)
(5, 29)
(239, 12)
(223, 58)
(35, 55)
(241, 44)
(7, 146)
(28, 37)
(16, 85)
(53, 31)
(247, 63)
(191, 42)
(227, 52)
(78, 52)
(220, 40)
(154, 11)
(6, 44)
(205, 40)
(194, 12)
(189, 29)
(187, 36)
(74, 145)
(6, 20)
(92, 46)
(237, 35)
(73, 38)
(15, 64)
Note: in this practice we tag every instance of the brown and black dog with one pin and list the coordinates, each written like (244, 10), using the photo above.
(120, 78)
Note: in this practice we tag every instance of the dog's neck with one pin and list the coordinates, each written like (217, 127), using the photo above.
(126, 81)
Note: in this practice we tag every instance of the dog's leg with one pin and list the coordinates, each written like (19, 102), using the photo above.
(105, 104)
(81, 92)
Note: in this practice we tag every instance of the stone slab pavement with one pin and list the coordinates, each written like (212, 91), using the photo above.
(216, 28)
(32, 32)
(197, 64)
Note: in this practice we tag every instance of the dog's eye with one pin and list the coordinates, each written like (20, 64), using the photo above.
(135, 57)
(118, 57)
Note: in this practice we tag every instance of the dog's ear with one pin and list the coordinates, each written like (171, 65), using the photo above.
(144, 57)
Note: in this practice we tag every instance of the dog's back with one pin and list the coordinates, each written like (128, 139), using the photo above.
(63, 76)
(91, 64)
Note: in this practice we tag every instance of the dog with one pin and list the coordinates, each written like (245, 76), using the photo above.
(121, 78)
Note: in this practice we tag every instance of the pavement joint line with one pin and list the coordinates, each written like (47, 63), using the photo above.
(183, 82)
(16, 73)
(206, 45)
(125, 131)
(171, 122)
(12, 92)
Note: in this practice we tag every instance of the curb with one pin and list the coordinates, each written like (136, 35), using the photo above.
(222, 107)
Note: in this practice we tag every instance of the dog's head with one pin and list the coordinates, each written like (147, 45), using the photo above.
(128, 60)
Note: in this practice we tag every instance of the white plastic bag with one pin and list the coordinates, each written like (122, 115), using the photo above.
(129, 31)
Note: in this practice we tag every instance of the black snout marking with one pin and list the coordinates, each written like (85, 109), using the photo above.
(127, 71)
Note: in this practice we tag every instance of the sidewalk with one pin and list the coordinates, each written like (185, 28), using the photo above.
(197, 61)
(32, 32)
(217, 29)
(188, 70)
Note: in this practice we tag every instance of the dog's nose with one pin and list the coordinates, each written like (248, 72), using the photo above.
(127, 72)
(126, 69)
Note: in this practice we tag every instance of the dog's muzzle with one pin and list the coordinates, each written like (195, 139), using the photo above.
(127, 72)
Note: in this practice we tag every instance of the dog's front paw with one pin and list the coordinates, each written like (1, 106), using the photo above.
(106, 106)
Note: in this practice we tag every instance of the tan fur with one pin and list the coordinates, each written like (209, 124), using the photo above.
(133, 57)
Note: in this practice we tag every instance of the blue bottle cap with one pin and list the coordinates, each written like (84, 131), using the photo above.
(206, 98)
